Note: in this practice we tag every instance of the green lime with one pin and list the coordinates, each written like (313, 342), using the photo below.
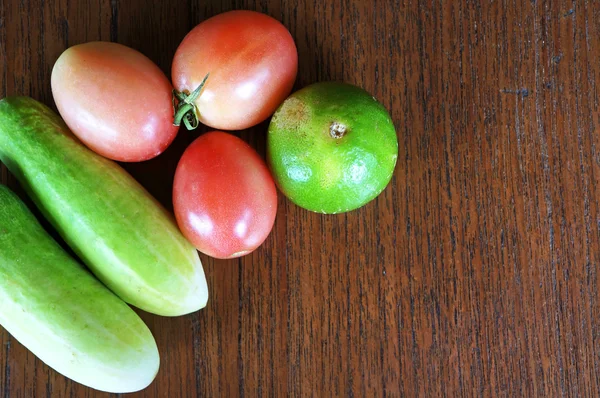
(331, 147)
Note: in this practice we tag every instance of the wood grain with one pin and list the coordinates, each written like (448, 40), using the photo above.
(473, 274)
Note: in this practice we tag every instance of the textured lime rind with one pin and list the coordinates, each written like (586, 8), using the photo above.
(332, 147)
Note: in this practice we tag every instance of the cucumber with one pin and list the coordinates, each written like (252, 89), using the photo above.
(53, 306)
(126, 238)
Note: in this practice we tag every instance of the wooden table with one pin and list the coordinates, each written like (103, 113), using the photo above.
(473, 274)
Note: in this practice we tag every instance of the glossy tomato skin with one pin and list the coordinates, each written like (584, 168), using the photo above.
(252, 60)
(224, 197)
(115, 100)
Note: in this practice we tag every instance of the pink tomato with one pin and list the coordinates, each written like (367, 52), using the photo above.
(251, 63)
(224, 197)
(115, 100)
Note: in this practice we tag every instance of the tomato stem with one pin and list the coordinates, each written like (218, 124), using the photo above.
(185, 108)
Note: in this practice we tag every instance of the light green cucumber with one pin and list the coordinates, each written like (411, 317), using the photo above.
(53, 306)
(128, 240)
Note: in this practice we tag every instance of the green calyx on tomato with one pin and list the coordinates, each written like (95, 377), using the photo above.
(331, 147)
(185, 107)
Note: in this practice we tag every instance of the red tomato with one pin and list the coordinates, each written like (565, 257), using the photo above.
(224, 197)
(252, 61)
(115, 100)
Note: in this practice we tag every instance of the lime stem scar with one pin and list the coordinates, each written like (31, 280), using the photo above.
(337, 130)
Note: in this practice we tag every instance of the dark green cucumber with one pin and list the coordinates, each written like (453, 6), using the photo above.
(60, 312)
(128, 240)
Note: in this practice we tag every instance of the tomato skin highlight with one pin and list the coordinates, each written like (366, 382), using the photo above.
(115, 100)
(252, 61)
(224, 197)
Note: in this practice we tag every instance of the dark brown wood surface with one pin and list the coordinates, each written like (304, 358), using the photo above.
(474, 274)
